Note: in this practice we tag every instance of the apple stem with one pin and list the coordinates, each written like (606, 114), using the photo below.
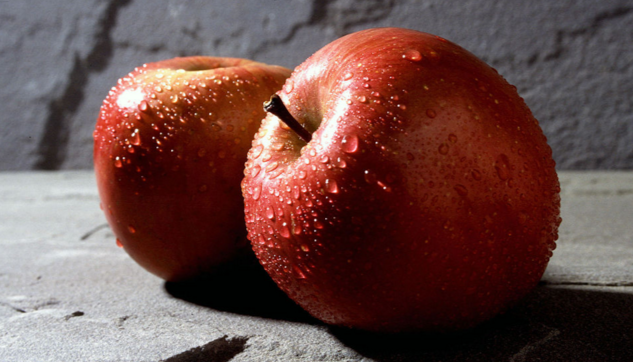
(277, 107)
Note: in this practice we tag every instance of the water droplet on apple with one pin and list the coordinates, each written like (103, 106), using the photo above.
(297, 229)
(119, 243)
(452, 138)
(289, 86)
(318, 224)
(255, 170)
(272, 166)
(298, 272)
(476, 175)
(384, 186)
(502, 165)
(284, 231)
(350, 143)
(412, 55)
(302, 175)
(136, 138)
(348, 76)
(410, 156)
(443, 149)
(304, 248)
(431, 113)
(257, 191)
(131, 229)
(270, 213)
(461, 190)
(118, 163)
(362, 99)
(143, 106)
(331, 186)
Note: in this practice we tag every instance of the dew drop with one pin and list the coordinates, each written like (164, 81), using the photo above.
(297, 229)
(255, 170)
(461, 190)
(304, 248)
(289, 86)
(431, 113)
(502, 165)
(452, 138)
(410, 156)
(272, 166)
(257, 191)
(136, 138)
(348, 76)
(331, 186)
(362, 99)
(119, 243)
(302, 175)
(443, 149)
(384, 186)
(143, 106)
(412, 55)
(298, 272)
(131, 229)
(350, 143)
(476, 175)
(118, 163)
(270, 213)
(284, 231)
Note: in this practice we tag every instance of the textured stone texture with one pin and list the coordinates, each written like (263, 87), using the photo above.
(67, 293)
(571, 60)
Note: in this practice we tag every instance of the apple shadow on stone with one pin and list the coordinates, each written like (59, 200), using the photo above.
(551, 324)
(241, 287)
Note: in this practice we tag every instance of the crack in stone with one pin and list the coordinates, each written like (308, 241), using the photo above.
(523, 353)
(220, 350)
(74, 314)
(596, 24)
(94, 230)
(52, 147)
(340, 14)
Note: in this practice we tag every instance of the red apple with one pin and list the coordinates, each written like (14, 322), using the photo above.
(409, 189)
(169, 150)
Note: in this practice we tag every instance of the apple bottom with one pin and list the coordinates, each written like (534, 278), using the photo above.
(426, 276)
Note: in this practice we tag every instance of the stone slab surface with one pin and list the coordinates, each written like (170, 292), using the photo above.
(67, 293)
(572, 61)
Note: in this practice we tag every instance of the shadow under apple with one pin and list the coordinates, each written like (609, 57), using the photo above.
(241, 287)
(551, 324)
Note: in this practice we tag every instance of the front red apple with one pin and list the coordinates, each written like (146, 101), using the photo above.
(427, 198)
(170, 146)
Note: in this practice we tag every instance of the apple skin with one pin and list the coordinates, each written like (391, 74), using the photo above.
(169, 150)
(426, 200)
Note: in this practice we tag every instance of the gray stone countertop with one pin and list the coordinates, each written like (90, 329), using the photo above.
(67, 293)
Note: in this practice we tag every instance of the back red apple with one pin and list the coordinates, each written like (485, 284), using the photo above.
(169, 152)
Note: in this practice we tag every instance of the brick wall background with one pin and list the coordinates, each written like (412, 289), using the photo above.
(571, 60)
